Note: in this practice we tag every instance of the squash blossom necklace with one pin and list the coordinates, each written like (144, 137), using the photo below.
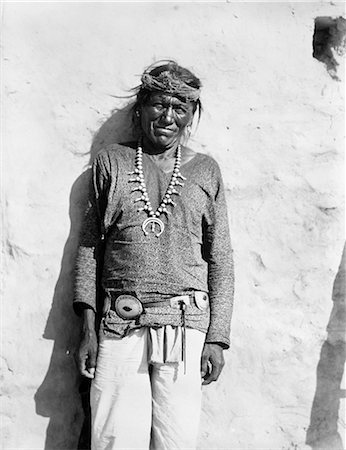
(153, 218)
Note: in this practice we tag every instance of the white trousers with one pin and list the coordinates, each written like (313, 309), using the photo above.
(138, 403)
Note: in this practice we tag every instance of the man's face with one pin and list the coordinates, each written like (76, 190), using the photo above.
(164, 118)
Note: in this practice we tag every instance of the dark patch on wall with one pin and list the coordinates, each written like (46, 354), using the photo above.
(323, 433)
(329, 37)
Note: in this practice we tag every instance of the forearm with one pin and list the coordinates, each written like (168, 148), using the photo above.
(221, 292)
(85, 278)
(88, 326)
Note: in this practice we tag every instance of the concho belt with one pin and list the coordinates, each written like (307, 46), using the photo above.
(128, 307)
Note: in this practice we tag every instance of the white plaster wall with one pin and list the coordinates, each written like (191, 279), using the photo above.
(273, 119)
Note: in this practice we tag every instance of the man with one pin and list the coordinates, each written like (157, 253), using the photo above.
(158, 212)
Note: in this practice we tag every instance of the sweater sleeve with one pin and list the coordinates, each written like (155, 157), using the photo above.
(218, 254)
(89, 254)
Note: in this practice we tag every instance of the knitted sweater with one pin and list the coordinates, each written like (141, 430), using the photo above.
(193, 252)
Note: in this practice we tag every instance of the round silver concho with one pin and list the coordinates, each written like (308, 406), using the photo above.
(153, 221)
(128, 307)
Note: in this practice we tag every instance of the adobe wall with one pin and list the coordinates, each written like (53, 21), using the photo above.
(273, 119)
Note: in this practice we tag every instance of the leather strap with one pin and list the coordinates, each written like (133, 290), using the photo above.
(173, 301)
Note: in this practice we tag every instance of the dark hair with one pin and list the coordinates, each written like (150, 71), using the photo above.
(179, 72)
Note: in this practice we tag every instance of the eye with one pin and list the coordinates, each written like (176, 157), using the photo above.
(180, 110)
(158, 105)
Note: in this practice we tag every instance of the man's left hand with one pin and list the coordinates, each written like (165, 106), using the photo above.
(212, 362)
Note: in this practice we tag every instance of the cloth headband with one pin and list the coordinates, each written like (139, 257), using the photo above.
(167, 82)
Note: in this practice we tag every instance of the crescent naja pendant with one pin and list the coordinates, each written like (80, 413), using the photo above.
(153, 221)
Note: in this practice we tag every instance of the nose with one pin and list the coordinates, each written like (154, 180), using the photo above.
(167, 116)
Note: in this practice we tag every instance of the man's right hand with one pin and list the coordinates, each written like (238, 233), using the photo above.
(87, 353)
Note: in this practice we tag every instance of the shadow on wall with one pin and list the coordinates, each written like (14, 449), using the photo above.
(323, 433)
(57, 397)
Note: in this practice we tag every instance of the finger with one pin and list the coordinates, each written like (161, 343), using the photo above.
(83, 369)
(91, 361)
(209, 379)
(91, 371)
(204, 367)
(88, 373)
(214, 374)
(83, 365)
